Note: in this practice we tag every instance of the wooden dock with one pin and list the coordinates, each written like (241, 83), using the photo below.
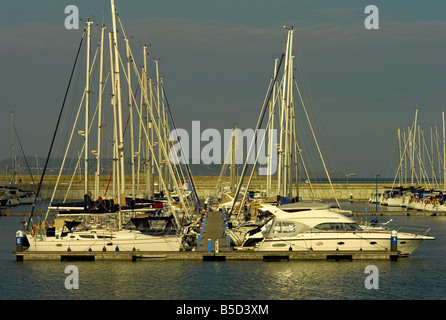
(213, 231)
(204, 256)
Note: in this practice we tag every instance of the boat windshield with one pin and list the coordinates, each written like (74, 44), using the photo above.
(338, 227)
(76, 226)
(288, 227)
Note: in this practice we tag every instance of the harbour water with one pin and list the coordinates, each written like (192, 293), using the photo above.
(419, 277)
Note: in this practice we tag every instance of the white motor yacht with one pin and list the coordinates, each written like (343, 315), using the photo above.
(315, 227)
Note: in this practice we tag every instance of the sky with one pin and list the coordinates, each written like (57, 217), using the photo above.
(217, 57)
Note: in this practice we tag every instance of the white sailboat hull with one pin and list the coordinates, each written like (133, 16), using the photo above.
(27, 199)
(395, 202)
(12, 202)
(126, 240)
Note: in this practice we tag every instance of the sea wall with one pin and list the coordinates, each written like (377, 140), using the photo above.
(206, 185)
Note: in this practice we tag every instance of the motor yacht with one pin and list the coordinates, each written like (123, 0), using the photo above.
(316, 227)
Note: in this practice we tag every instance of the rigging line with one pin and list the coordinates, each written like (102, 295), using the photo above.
(188, 171)
(79, 156)
(128, 118)
(317, 144)
(255, 163)
(24, 156)
(133, 103)
(259, 123)
(55, 131)
(169, 198)
(163, 149)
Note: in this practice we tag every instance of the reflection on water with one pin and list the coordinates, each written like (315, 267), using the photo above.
(230, 281)
(421, 276)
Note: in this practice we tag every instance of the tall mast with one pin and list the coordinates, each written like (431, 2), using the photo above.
(87, 106)
(232, 171)
(165, 137)
(413, 142)
(280, 173)
(98, 151)
(117, 85)
(132, 140)
(148, 158)
(152, 138)
(444, 153)
(290, 121)
(270, 133)
(116, 184)
(12, 152)
(158, 108)
(400, 167)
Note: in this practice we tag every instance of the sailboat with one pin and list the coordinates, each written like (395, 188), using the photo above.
(284, 154)
(285, 225)
(114, 217)
(417, 189)
(12, 194)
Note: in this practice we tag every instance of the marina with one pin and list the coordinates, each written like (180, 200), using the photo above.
(167, 214)
(418, 277)
(131, 206)
(214, 245)
(214, 248)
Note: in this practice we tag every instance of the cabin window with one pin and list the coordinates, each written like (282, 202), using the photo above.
(86, 236)
(105, 237)
(338, 227)
(284, 227)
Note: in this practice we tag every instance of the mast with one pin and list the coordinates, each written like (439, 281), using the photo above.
(270, 133)
(132, 141)
(101, 83)
(117, 85)
(400, 168)
(12, 152)
(158, 109)
(164, 135)
(280, 173)
(152, 138)
(438, 155)
(432, 155)
(115, 177)
(232, 171)
(444, 153)
(148, 159)
(290, 123)
(414, 134)
(87, 106)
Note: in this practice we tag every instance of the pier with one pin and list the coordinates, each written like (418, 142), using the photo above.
(213, 245)
(203, 256)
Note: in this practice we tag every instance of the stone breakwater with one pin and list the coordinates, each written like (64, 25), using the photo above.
(205, 187)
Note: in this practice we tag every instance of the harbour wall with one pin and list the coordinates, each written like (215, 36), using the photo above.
(205, 185)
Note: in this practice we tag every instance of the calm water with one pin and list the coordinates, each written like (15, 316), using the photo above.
(420, 277)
